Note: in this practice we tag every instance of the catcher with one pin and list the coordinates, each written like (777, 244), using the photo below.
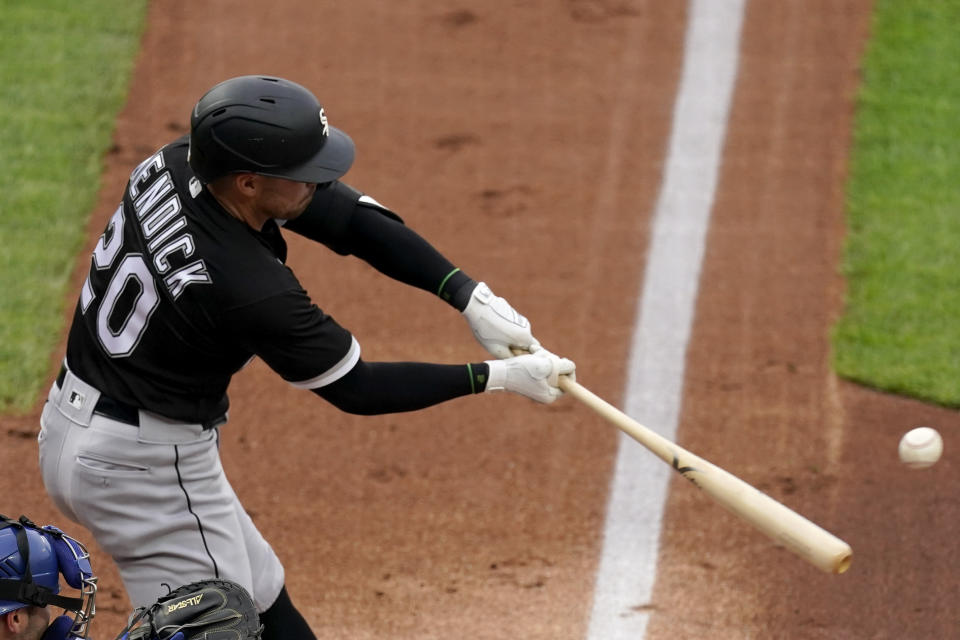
(32, 559)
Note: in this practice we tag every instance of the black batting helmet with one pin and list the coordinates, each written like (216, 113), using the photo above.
(266, 125)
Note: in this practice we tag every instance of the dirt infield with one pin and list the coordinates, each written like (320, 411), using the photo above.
(526, 142)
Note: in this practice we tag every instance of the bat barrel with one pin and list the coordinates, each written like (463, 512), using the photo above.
(805, 538)
(795, 532)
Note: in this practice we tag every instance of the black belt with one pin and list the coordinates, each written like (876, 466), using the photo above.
(123, 412)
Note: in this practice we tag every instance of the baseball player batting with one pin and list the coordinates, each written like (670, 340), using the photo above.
(186, 285)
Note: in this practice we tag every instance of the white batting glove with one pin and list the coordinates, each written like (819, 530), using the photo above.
(535, 375)
(496, 325)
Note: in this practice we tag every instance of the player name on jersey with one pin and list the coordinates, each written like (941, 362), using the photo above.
(157, 209)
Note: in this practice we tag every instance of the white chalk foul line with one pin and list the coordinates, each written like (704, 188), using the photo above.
(655, 373)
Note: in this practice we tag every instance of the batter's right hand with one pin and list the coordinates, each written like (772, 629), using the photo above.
(535, 375)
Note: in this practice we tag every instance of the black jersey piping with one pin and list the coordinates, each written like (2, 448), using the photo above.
(203, 537)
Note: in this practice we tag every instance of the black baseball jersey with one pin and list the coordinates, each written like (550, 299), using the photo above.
(181, 295)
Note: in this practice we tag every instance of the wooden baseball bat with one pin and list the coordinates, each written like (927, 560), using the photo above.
(812, 543)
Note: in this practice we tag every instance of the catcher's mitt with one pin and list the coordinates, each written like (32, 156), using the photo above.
(209, 609)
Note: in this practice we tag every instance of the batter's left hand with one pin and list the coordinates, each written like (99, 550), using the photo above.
(496, 325)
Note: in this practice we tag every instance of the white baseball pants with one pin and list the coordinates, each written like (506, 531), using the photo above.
(155, 498)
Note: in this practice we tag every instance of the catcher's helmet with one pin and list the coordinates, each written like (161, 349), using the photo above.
(32, 559)
(43, 564)
(269, 126)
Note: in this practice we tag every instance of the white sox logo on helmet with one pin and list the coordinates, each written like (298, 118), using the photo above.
(323, 121)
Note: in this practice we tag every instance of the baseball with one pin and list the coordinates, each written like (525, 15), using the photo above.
(920, 447)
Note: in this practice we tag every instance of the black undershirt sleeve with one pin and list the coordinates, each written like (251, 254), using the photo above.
(398, 251)
(340, 219)
(373, 388)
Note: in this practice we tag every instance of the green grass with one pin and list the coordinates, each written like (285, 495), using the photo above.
(901, 326)
(63, 77)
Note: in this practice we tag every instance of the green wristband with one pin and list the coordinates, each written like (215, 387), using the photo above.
(444, 282)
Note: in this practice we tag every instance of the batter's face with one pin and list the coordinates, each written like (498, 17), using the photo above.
(282, 198)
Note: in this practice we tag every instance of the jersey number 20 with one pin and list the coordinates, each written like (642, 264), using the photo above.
(120, 336)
